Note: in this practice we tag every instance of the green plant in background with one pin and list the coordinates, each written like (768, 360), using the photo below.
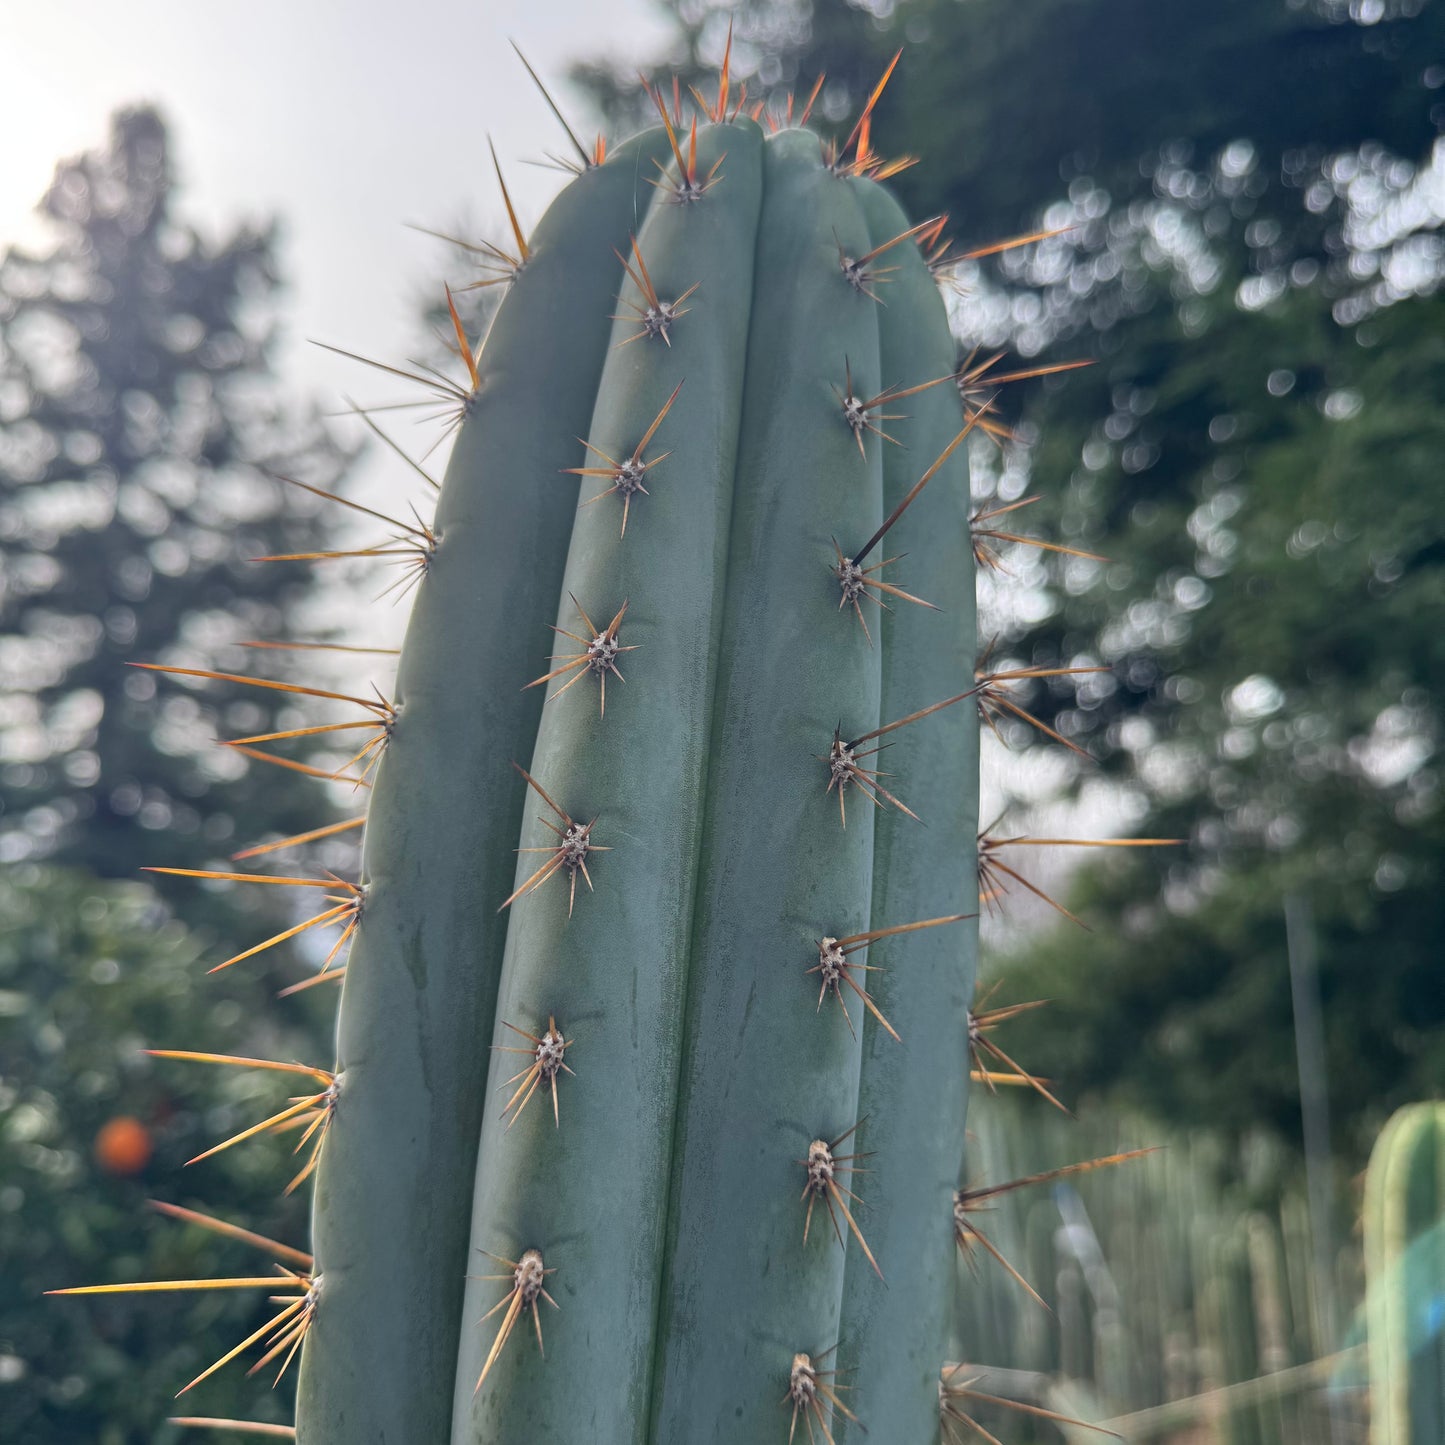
(90, 1127)
(718, 915)
(1405, 1277)
(1182, 1294)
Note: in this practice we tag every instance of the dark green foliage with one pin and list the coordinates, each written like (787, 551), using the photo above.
(137, 407)
(1299, 719)
(1000, 105)
(1266, 478)
(90, 974)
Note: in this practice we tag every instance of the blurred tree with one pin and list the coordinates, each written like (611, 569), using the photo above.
(1254, 254)
(1278, 649)
(139, 422)
(1000, 105)
(140, 427)
(90, 974)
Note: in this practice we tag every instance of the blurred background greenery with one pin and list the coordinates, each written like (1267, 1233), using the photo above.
(1249, 197)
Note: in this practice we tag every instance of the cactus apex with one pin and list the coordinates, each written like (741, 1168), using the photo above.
(689, 186)
(718, 111)
(864, 162)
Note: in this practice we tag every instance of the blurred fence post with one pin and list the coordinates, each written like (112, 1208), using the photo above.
(1309, 1035)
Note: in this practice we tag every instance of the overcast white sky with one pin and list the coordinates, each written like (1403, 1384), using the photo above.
(345, 118)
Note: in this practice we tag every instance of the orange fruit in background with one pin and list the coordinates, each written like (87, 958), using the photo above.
(123, 1146)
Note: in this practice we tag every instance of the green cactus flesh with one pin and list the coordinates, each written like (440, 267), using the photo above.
(653, 1046)
(661, 1176)
(1404, 1228)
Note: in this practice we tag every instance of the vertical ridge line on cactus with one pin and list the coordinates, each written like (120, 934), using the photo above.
(740, 1295)
(391, 1209)
(591, 1196)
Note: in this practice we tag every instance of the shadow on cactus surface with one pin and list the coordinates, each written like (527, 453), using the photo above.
(717, 970)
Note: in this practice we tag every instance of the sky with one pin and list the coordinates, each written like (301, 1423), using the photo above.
(345, 118)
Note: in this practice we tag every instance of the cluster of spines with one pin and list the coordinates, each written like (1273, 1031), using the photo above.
(812, 1392)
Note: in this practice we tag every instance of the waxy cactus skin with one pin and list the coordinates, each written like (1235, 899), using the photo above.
(647, 1117)
(665, 1194)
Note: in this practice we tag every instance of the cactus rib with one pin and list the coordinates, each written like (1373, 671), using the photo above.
(391, 1208)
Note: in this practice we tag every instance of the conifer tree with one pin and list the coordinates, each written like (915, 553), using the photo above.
(142, 435)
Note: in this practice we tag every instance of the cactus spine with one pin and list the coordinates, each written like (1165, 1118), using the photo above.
(1404, 1226)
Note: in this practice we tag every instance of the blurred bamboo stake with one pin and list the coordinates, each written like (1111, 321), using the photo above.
(1309, 1034)
(1213, 1404)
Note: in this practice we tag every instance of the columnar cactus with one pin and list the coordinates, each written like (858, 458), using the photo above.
(642, 971)
(1404, 1226)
